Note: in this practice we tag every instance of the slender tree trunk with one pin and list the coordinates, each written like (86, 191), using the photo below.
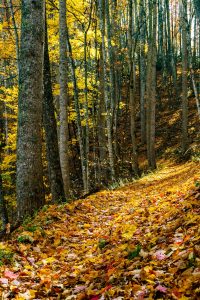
(51, 138)
(190, 64)
(3, 210)
(86, 28)
(101, 120)
(132, 89)
(16, 33)
(110, 60)
(106, 94)
(78, 117)
(151, 85)
(170, 48)
(30, 189)
(64, 132)
(142, 73)
(184, 140)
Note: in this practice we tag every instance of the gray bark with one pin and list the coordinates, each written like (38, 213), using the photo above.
(106, 93)
(184, 139)
(142, 73)
(151, 86)
(30, 190)
(132, 89)
(64, 134)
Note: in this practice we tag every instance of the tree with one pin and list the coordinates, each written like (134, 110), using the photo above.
(50, 126)
(64, 159)
(3, 210)
(184, 138)
(106, 93)
(132, 88)
(142, 72)
(151, 84)
(30, 190)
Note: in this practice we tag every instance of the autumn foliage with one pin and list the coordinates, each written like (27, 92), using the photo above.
(140, 241)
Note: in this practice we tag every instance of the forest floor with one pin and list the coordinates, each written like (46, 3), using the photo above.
(141, 241)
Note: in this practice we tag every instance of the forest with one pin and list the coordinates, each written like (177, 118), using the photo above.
(99, 149)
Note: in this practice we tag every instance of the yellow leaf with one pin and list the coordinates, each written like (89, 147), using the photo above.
(57, 242)
(86, 225)
(129, 230)
(49, 260)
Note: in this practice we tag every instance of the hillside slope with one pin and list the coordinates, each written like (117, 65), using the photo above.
(140, 241)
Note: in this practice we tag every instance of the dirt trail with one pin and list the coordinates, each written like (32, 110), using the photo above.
(140, 241)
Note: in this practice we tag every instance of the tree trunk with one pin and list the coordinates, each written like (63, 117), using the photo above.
(51, 138)
(132, 89)
(106, 94)
(16, 33)
(142, 73)
(64, 132)
(101, 120)
(3, 210)
(30, 190)
(151, 86)
(78, 118)
(184, 140)
(86, 28)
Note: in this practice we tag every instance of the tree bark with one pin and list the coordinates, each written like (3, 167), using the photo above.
(184, 139)
(132, 89)
(64, 132)
(78, 117)
(151, 86)
(106, 94)
(3, 210)
(51, 138)
(142, 73)
(30, 190)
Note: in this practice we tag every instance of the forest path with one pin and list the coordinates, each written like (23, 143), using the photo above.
(140, 241)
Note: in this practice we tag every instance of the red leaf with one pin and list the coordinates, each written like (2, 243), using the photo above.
(10, 274)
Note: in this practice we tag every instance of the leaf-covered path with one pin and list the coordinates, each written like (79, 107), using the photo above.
(138, 242)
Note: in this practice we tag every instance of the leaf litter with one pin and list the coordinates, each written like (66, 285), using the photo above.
(138, 242)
